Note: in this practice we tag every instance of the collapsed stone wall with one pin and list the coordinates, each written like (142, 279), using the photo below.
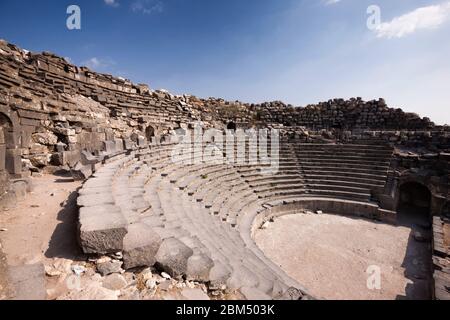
(343, 114)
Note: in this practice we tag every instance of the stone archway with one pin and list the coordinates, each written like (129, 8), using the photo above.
(150, 133)
(414, 203)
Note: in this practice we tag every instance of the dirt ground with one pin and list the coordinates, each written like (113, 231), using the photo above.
(330, 256)
(41, 231)
(42, 226)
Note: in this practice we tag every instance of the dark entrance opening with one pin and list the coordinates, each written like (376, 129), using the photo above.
(149, 133)
(414, 213)
(231, 126)
(414, 204)
(446, 210)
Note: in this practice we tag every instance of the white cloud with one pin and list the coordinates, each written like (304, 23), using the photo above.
(147, 6)
(422, 18)
(97, 63)
(331, 2)
(112, 3)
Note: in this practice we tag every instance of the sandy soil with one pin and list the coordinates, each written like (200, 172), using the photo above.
(42, 226)
(329, 255)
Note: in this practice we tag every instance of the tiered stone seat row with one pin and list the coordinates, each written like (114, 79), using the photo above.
(195, 219)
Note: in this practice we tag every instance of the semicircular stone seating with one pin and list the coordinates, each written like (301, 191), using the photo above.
(196, 220)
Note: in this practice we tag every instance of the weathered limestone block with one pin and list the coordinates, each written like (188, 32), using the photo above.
(39, 160)
(142, 142)
(198, 268)
(218, 276)
(37, 148)
(93, 199)
(140, 246)
(81, 172)
(118, 145)
(102, 229)
(109, 147)
(45, 138)
(87, 158)
(242, 278)
(173, 256)
(108, 267)
(128, 144)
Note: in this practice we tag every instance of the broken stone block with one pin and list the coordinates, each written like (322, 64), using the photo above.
(218, 276)
(39, 160)
(128, 144)
(88, 158)
(198, 268)
(94, 199)
(118, 144)
(172, 257)
(81, 172)
(242, 278)
(140, 246)
(45, 138)
(108, 267)
(109, 147)
(101, 229)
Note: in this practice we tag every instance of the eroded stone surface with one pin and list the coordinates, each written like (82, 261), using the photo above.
(140, 246)
(173, 257)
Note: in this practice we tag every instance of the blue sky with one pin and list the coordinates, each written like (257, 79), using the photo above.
(297, 51)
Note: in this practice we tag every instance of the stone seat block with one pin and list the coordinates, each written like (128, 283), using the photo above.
(101, 229)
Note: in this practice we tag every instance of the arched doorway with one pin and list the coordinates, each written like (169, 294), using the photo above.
(150, 133)
(231, 126)
(414, 204)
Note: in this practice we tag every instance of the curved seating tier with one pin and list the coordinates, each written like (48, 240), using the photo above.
(196, 219)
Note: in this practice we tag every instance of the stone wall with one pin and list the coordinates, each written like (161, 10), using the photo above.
(51, 111)
(343, 114)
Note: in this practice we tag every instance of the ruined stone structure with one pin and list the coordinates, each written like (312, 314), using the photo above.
(197, 220)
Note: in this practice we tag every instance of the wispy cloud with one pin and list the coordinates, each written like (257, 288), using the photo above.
(147, 6)
(331, 2)
(423, 18)
(98, 63)
(112, 3)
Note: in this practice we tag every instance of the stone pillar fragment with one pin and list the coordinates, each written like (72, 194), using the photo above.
(13, 161)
